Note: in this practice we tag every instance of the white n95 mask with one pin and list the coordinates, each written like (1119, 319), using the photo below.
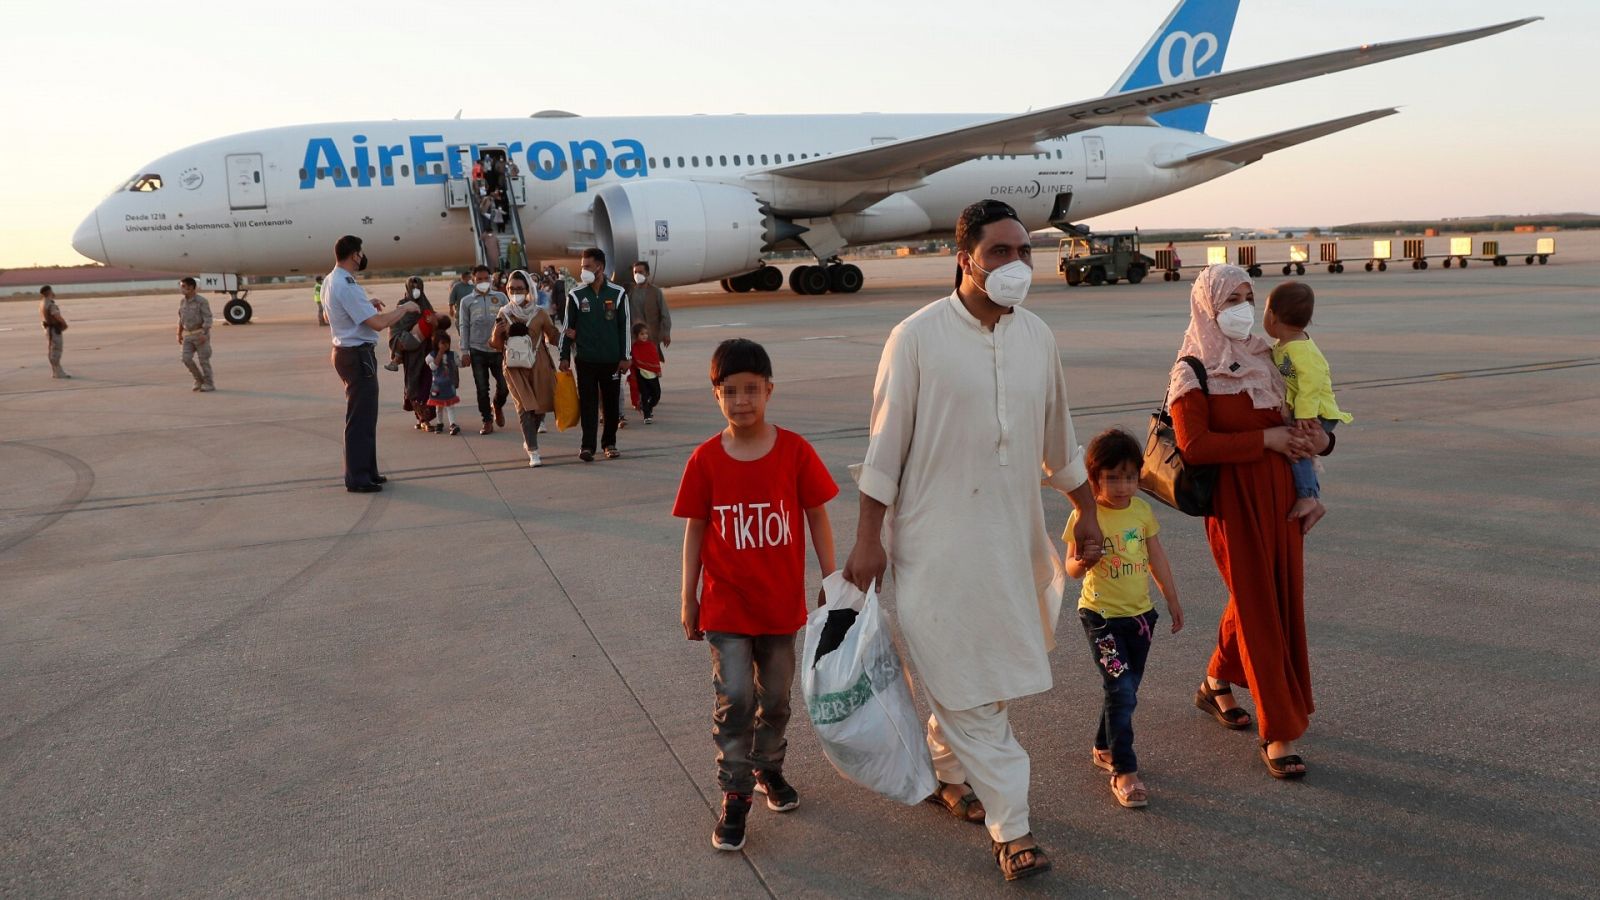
(1008, 285)
(1235, 321)
(519, 299)
(638, 278)
(481, 287)
(586, 276)
(416, 293)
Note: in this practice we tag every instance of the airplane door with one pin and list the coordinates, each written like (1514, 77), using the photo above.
(1094, 151)
(246, 187)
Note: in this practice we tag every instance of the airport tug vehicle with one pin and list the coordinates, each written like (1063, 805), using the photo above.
(1104, 258)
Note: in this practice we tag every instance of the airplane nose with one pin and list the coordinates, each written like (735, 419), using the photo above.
(86, 239)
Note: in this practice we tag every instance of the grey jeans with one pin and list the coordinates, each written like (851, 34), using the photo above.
(752, 675)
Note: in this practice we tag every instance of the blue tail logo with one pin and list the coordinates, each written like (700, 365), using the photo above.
(1192, 42)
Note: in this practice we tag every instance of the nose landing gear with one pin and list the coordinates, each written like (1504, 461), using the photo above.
(237, 310)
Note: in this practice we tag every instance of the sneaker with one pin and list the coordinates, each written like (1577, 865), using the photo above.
(781, 795)
(586, 455)
(455, 429)
(392, 366)
(729, 833)
(207, 388)
(649, 420)
(533, 460)
(196, 388)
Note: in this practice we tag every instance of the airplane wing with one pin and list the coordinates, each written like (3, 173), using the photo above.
(1246, 152)
(920, 156)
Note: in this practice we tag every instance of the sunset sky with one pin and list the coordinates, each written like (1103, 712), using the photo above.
(1504, 125)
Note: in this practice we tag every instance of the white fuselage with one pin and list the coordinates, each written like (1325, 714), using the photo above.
(254, 204)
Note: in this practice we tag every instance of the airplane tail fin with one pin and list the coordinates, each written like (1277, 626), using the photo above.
(1191, 42)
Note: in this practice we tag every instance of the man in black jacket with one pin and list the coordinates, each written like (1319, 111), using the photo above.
(597, 332)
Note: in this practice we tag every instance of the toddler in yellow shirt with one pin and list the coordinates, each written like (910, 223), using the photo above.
(1115, 607)
(1308, 386)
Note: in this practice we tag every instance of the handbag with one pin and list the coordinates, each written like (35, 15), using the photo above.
(566, 400)
(1164, 475)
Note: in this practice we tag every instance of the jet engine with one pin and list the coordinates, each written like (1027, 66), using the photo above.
(687, 231)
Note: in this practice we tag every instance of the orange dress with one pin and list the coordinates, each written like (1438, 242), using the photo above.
(1261, 642)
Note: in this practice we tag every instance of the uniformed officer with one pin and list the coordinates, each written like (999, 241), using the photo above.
(316, 297)
(54, 324)
(355, 321)
(194, 334)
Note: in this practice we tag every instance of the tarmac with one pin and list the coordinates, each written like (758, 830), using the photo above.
(222, 675)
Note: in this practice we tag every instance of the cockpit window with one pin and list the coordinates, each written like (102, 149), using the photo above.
(145, 184)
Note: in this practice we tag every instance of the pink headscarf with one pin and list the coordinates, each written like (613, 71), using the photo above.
(1232, 367)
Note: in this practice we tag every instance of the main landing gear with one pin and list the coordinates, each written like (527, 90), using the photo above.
(834, 278)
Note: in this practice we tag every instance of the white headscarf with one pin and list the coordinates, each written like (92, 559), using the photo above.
(1232, 367)
(527, 310)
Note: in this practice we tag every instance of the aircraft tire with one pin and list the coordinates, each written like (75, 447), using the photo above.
(726, 286)
(740, 284)
(237, 312)
(847, 280)
(814, 280)
(795, 283)
(768, 278)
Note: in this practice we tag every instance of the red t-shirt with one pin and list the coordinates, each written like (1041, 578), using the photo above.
(753, 559)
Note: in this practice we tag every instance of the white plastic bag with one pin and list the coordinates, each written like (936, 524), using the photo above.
(859, 699)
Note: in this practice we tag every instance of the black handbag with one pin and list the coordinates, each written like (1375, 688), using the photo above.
(1164, 474)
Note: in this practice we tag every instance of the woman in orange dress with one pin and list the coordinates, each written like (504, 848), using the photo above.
(1237, 423)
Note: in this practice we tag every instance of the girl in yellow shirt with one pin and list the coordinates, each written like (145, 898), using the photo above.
(1115, 607)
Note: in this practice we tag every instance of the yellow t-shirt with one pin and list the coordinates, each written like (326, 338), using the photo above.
(1119, 584)
(1307, 383)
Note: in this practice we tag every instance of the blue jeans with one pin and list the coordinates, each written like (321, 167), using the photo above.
(1305, 470)
(1120, 646)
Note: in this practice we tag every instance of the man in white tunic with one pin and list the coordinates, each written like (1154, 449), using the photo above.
(970, 404)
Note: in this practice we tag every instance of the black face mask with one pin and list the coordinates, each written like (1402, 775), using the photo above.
(363, 266)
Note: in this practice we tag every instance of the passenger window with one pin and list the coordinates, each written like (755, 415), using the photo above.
(388, 171)
(322, 174)
(666, 162)
(802, 156)
(680, 162)
(608, 164)
(438, 168)
(763, 159)
(372, 172)
(302, 174)
(694, 161)
(405, 170)
(652, 162)
(791, 157)
(736, 159)
(722, 160)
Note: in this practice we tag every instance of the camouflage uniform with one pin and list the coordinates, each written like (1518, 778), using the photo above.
(49, 315)
(194, 327)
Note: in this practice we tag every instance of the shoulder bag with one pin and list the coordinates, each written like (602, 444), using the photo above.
(1164, 475)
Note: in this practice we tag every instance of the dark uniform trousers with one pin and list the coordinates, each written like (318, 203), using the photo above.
(358, 369)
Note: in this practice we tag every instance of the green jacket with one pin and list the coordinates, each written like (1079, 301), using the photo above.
(602, 322)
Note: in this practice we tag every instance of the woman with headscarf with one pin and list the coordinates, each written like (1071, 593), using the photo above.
(521, 331)
(1237, 423)
(413, 362)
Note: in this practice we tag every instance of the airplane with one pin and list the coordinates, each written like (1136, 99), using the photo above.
(701, 198)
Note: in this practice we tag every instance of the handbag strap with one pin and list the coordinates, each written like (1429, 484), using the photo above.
(1199, 374)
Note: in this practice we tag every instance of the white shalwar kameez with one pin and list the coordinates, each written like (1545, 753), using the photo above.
(963, 421)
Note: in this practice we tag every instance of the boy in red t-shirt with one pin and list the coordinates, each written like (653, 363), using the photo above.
(744, 577)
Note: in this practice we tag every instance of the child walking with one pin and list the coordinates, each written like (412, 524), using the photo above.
(1308, 387)
(644, 381)
(1115, 606)
(743, 589)
(446, 378)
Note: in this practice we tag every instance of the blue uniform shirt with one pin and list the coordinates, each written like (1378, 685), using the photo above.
(348, 307)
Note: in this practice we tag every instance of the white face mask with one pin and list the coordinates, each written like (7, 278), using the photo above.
(1235, 321)
(1008, 285)
(640, 278)
(481, 287)
(519, 299)
(586, 276)
(416, 293)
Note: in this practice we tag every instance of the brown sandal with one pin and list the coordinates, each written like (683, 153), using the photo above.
(1132, 798)
(1007, 860)
(1206, 700)
(962, 809)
